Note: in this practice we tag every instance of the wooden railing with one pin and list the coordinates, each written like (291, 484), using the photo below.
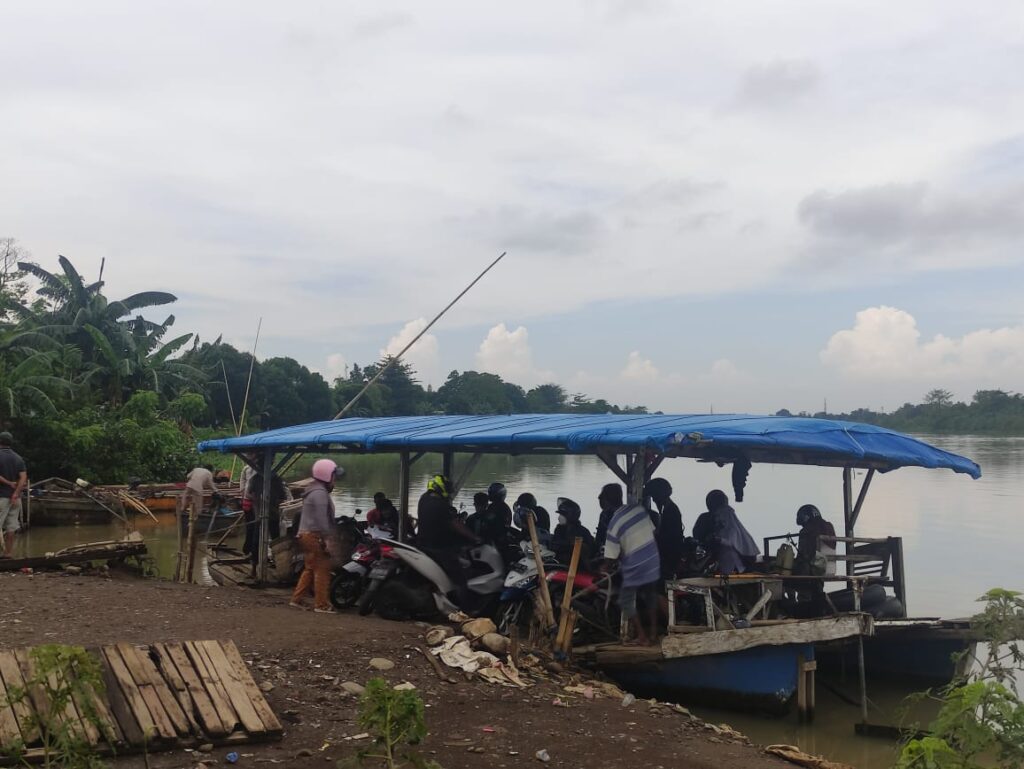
(880, 559)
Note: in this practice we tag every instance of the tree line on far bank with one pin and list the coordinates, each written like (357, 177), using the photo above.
(990, 412)
(92, 388)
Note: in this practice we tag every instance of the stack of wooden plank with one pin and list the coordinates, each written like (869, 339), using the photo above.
(160, 696)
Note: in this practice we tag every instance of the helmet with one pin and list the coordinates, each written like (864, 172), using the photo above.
(324, 470)
(806, 513)
(569, 509)
(526, 500)
(496, 492)
(524, 504)
(440, 484)
(658, 489)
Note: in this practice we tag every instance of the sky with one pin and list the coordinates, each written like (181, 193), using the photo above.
(737, 206)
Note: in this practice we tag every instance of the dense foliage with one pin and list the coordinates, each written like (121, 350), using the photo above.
(92, 388)
(990, 412)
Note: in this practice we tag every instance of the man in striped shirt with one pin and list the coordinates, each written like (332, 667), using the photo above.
(631, 542)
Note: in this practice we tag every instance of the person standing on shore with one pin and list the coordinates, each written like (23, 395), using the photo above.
(13, 470)
(315, 527)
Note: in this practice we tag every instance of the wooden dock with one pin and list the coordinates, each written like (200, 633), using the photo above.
(161, 696)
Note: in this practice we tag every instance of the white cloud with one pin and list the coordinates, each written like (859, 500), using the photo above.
(885, 343)
(508, 354)
(639, 368)
(724, 369)
(335, 367)
(422, 356)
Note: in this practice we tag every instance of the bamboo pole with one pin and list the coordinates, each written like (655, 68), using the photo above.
(542, 581)
(245, 401)
(570, 583)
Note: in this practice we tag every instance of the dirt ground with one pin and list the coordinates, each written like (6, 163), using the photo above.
(307, 657)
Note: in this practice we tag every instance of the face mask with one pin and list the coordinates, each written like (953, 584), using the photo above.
(563, 520)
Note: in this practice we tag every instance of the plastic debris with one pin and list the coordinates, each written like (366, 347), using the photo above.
(628, 700)
(231, 758)
(543, 756)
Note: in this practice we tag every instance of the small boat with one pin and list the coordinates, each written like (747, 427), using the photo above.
(57, 502)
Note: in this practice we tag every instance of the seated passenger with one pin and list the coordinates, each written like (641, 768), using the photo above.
(568, 528)
(528, 503)
(734, 548)
(817, 541)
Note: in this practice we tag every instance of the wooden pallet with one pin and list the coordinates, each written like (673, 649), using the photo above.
(160, 696)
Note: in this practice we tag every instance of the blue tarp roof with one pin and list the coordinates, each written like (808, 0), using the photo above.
(716, 437)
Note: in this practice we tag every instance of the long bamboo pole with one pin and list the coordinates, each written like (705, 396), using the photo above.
(395, 358)
(392, 360)
(245, 401)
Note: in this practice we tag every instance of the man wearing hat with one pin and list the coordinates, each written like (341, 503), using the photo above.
(13, 479)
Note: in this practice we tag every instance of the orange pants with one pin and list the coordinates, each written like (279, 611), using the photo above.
(317, 573)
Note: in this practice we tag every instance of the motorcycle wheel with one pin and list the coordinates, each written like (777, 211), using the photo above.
(400, 602)
(345, 590)
(366, 600)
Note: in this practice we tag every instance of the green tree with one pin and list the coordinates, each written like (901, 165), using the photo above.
(474, 393)
(291, 394)
(547, 399)
(938, 397)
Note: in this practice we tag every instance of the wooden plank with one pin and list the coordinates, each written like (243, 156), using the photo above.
(133, 697)
(205, 709)
(120, 709)
(169, 672)
(247, 714)
(142, 665)
(36, 696)
(164, 725)
(807, 631)
(70, 715)
(22, 709)
(259, 702)
(217, 695)
(107, 725)
(55, 561)
(10, 732)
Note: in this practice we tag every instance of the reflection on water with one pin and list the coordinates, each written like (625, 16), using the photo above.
(959, 535)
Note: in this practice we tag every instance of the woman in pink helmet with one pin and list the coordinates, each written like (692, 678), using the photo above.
(315, 526)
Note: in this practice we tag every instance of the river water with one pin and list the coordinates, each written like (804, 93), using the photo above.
(960, 538)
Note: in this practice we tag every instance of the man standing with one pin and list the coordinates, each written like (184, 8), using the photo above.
(12, 470)
(631, 541)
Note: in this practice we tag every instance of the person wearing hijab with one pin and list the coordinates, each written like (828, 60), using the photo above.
(734, 548)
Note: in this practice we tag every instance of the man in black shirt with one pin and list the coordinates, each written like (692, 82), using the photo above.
(13, 480)
(610, 500)
(440, 533)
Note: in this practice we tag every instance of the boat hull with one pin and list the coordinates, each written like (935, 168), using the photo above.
(921, 656)
(762, 679)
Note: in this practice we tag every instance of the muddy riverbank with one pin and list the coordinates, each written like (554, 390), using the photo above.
(306, 657)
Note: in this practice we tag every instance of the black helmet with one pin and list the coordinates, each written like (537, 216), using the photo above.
(526, 500)
(569, 509)
(716, 499)
(496, 492)
(806, 513)
(658, 489)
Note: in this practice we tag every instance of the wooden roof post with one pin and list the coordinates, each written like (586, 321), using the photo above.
(848, 512)
(403, 492)
(263, 521)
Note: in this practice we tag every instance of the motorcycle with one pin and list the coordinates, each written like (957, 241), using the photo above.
(407, 583)
(348, 582)
(517, 596)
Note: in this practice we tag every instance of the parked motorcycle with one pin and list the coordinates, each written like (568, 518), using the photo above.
(407, 583)
(348, 582)
(518, 596)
